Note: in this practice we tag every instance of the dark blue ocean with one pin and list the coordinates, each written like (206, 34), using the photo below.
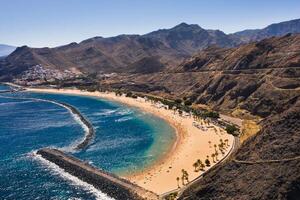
(127, 140)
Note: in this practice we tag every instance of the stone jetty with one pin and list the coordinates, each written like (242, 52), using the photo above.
(108, 183)
(90, 133)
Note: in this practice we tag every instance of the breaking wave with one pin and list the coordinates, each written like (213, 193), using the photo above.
(123, 119)
(56, 170)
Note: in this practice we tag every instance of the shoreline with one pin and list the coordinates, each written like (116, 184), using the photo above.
(190, 143)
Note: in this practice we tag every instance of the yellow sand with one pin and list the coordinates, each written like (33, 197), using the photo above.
(191, 144)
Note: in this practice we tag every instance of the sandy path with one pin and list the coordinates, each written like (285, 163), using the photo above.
(191, 144)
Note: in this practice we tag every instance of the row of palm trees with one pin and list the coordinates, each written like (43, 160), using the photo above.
(200, 166)
(184, 178)
(222, 147)
(201, 120)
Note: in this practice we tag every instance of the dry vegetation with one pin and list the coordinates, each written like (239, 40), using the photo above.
(249, 128)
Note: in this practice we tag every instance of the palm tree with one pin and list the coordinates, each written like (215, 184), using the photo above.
(177, 179)
(213, 157)
(207, 162)
(220, 147)
(209, 142)
(182, 179)
(198, 163)
(216, 154)
(183, 176)
(202, 167)
(227, 142)
(215, 147)
(186, 176)
(195, 165)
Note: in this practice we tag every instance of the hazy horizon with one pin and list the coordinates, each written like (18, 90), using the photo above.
(55, 23)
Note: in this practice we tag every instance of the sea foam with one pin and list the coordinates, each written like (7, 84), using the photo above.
(123, 119)
(56, 170)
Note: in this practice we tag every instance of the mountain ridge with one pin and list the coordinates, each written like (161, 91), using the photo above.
(117, 54)
(165, 48)
(275, 29)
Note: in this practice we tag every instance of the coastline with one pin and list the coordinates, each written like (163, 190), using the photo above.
(190, 144)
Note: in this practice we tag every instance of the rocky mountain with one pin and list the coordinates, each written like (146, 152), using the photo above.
(278, 29)
(257, 55)
(261, 77)
(188, 39)
(6, 50)
(168, 47)
(158, 51)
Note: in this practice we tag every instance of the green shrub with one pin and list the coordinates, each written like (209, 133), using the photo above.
(179, 101)
(90, 89)
(212, 114)
(129, 94)
(231, 129)
(188, 103)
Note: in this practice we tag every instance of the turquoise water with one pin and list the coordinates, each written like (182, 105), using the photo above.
(126, 140)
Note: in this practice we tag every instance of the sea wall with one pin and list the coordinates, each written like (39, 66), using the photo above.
(110, 184)
(90, 133)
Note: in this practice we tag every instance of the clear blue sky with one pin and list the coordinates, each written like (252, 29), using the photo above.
(41, 23)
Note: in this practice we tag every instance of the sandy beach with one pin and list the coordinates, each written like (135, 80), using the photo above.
(191, 144)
